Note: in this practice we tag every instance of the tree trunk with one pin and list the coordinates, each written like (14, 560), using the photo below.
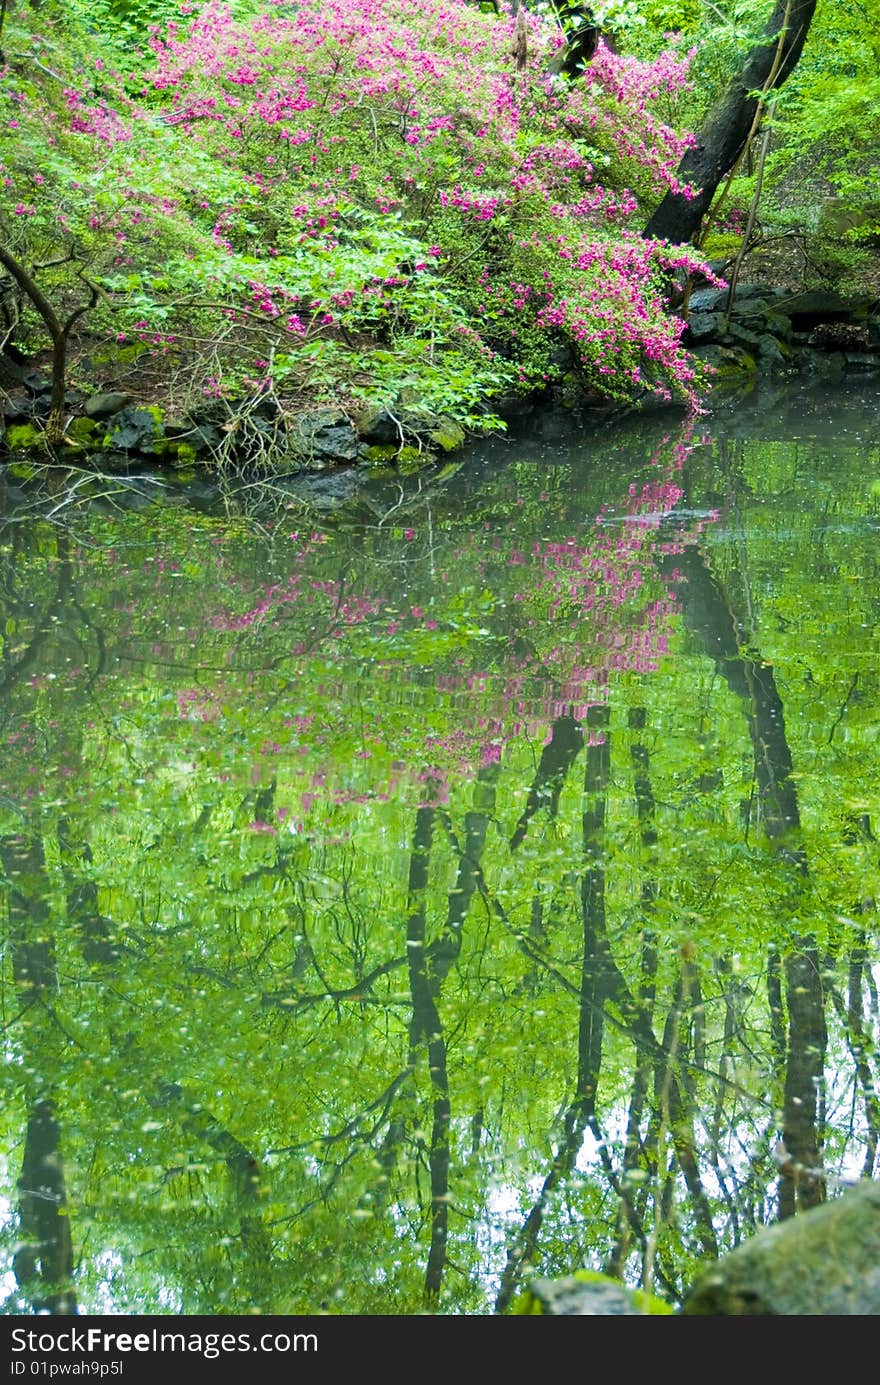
(728, 125)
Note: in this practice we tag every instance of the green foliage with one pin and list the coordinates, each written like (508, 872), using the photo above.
(825, 148)
(325, 239)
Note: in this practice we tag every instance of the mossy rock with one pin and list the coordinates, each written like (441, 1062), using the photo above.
(185, 454)
(23, 437)
(83, 430)
(379, 455)
(732, 367)
(588, 1293)
(822, 1263)
(411, 459)
(448, 434)
(135, 429)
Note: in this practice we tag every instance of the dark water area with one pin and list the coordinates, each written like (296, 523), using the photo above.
(414, 884)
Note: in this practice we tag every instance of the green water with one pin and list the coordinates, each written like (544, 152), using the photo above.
(470, 880)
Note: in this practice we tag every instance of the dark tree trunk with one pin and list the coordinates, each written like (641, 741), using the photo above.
(599, 982)
(728, 125)
(708, 614)
(426, 1028)
(557, 757)
(43, 1261)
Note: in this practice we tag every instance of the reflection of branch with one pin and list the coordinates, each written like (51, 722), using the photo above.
(360, 993)
(352, 1127)
(853, 687)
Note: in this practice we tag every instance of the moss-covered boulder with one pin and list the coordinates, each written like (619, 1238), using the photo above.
(825, 1263)
(447, 434)
(23, 437)
(133, 429)
(587, 1293)
(318, 439)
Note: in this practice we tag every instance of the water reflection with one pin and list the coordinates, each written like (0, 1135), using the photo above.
(479, 879)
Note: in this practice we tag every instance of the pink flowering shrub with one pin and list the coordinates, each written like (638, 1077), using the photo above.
(358, 200)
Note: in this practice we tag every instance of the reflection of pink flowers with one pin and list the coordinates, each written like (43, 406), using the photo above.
(198, 704)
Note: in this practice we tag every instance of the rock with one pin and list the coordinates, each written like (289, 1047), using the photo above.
(322, 438)
(12, 372)
(839, 336)
(743, 336)
(447, 434)
(196, 437)
(748, 293)
(134, 430)
(707, 300)
(772, 353)
(587, 1293)
(106, 405)
(778, 323)
(808, 310)
(326, 491)
(16, 407)
(36, 383)
(379, 428)
(732, 364)
(702, 327)
(862, 362)
(824, 1262)
(752, 313)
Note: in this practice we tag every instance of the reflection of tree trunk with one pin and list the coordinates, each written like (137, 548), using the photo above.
(43, 1261)
(596, 973)
(429, 964)
(445, 949)
(708, 615)
(774, 1002)
(245, 1178)
(673, 1105)
(557, 757)
(96, 932)
(801, 1184)
(860, 976)
(599, 977)
(426, 1027)
(30, 938)
(852, 1014)
(645, 809)
(245, 1173)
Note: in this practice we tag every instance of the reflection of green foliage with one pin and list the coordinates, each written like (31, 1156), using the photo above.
(224, 773)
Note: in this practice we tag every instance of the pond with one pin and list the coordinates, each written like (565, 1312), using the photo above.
(470, 880)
